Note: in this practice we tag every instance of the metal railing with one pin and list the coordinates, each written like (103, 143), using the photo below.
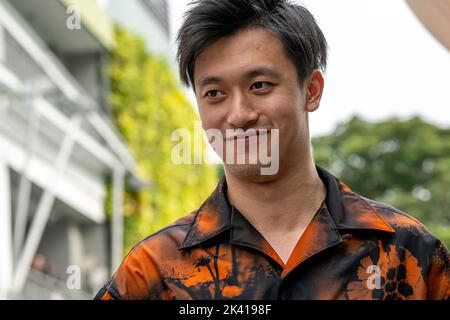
(46, 287)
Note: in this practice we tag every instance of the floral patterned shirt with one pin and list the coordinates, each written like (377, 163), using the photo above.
(354, 248)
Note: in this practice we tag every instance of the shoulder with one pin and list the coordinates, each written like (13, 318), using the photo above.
(167, 239)
(139, 274)
(408, 230)
(397, 219)
(417, 247)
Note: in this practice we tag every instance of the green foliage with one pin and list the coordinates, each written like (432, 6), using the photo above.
(148, 106)
(442, 232)
(403, 163)
(220, 170)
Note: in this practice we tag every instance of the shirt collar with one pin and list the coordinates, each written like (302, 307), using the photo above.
(348, 209)
(211, 219)
(342, 210)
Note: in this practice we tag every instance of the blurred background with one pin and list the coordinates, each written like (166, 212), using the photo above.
(90, 95)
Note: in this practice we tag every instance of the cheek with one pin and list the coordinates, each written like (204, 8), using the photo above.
(286, 115)
(211, 119)
(284, 112)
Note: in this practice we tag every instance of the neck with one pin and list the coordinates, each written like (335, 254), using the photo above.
(287, 203)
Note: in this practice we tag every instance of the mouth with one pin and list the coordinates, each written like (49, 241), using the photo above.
(249, 134)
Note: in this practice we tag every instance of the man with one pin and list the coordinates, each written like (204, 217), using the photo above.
(299, 233)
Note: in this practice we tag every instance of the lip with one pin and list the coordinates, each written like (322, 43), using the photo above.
(250, 135)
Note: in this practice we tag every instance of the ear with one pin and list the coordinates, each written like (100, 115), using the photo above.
(314, 90)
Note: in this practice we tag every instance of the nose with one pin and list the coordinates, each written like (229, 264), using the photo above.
(242, 113)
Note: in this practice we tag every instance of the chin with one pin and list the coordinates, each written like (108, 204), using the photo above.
(248, 172)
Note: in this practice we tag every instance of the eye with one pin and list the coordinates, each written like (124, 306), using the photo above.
(213, 94)
(260, 85)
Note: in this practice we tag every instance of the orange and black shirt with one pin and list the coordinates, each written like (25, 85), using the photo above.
(354, 248)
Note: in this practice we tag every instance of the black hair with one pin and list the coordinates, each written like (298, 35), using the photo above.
(210, 20)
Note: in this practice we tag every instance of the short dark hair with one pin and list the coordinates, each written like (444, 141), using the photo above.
(210, 20)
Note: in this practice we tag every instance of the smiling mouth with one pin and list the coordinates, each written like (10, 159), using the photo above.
(247, 136)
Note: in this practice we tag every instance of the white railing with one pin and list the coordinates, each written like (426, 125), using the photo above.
(46, 287)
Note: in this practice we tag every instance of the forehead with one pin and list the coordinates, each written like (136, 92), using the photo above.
(234, 55)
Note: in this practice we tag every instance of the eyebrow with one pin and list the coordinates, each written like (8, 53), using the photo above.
(208, 80)
(259, 71)
(263, 71)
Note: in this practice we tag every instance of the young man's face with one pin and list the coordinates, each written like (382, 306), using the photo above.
(246, 81)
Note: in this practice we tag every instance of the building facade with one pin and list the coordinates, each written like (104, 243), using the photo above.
(59, 150)
(147, 18)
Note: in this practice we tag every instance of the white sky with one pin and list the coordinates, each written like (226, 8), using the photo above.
(382, 63)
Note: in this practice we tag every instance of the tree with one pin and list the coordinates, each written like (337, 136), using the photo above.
(403, 163)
